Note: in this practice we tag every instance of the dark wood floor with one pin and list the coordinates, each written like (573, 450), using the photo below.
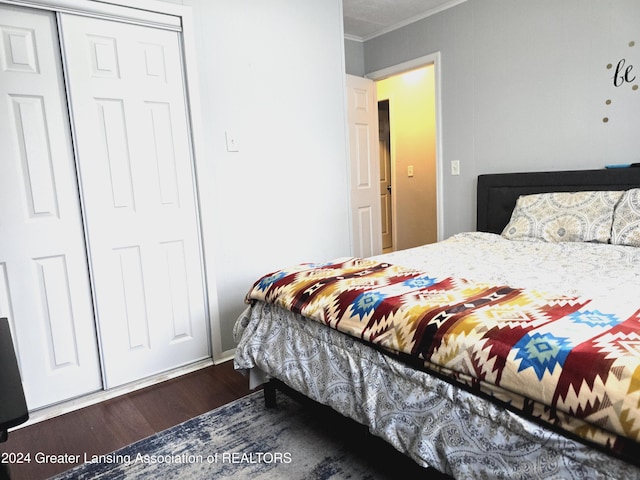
(107, 426)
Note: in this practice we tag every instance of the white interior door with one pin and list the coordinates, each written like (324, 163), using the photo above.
(362, 118)
(131, 128)
(44, 283)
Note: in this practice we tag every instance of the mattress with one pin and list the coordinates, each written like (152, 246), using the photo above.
(414, 409)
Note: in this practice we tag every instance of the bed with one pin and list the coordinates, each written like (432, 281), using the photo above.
(509, 352)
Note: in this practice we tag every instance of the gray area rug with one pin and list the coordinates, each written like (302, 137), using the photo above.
(245, 440)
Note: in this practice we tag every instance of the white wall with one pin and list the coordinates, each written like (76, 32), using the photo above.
(524, 86)
(272, 73)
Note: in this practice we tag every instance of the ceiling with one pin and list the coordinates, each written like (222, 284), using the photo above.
(364, 19)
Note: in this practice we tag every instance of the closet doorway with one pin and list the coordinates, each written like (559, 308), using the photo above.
(102, 274)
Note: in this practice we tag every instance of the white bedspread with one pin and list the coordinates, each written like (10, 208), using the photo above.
(591, 270)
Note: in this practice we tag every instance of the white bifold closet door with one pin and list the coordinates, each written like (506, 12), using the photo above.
(131, 130)
(100, 265)
(44, 282)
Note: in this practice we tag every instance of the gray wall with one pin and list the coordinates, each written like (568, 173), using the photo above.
(354, 57)
(524, 87)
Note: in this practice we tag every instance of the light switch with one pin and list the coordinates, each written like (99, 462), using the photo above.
(455, 167)
(410, 171)
(232, 142)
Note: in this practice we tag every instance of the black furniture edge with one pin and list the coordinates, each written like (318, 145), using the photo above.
(13, 406)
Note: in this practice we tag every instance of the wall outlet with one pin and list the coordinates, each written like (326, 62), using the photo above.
(455, 167)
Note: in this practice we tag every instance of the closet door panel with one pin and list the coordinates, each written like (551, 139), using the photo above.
(44, 283)
(131, 129)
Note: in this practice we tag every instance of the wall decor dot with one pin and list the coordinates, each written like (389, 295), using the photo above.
(605, 120)
(608, 101)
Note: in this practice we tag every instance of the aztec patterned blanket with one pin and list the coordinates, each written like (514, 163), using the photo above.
(573, 355)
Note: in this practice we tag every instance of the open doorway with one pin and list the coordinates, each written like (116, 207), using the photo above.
(386, 210)
(408, 158)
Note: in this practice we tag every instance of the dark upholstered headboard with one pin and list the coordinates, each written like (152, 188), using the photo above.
(497, 193)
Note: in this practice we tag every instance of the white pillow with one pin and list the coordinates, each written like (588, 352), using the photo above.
(563, 217)
(626, 219)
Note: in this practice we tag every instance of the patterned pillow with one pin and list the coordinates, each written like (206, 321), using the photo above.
(626, 220)
(563, 217)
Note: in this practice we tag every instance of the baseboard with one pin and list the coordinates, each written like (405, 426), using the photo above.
(225, 356)
(52, 411)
